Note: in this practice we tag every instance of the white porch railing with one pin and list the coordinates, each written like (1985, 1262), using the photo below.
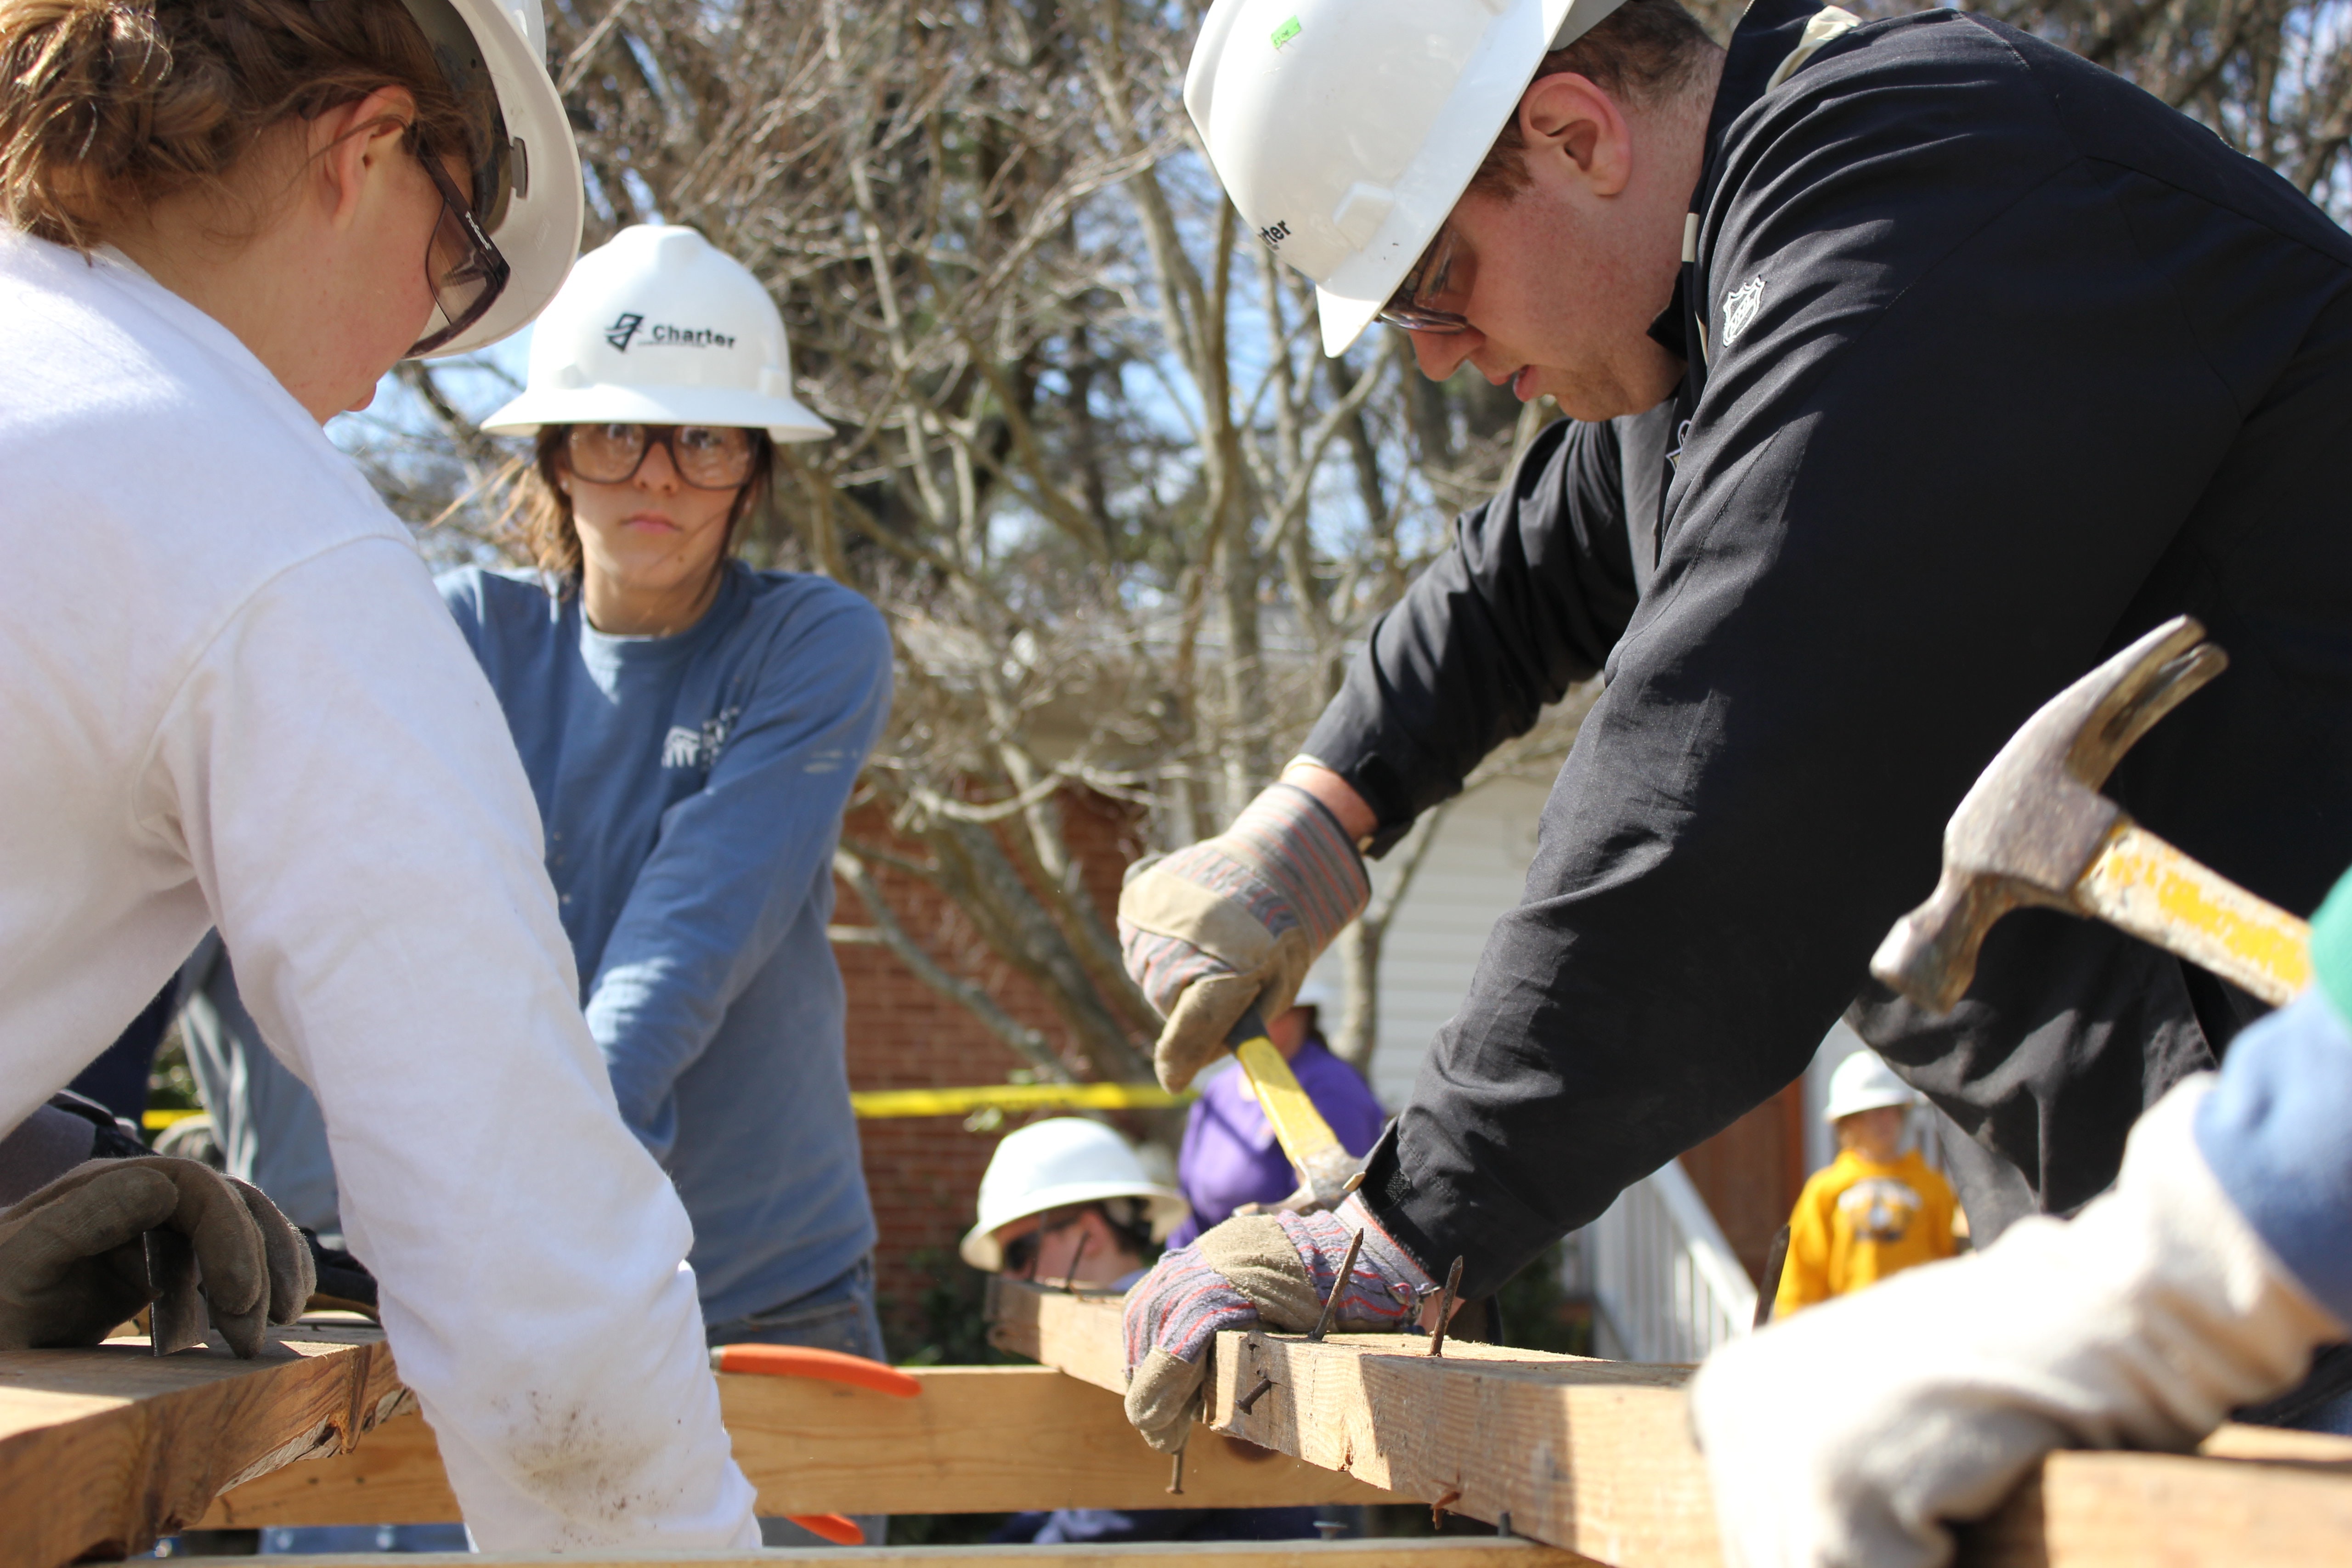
(1665, 1284)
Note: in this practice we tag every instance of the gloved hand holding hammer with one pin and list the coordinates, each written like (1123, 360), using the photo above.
(1231, 925)
(1218, 935)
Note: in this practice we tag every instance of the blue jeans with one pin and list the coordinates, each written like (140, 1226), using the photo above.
(834, 1316)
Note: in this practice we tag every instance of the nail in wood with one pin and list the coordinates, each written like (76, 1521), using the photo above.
(1338, 1284)
(1445, 1309)
(1176, 1474)
(1257, 1392)
(1070, 1281)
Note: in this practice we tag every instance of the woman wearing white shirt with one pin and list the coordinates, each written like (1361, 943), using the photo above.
(233, 699)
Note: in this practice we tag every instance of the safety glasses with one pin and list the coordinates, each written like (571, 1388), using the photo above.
(464, 270)
(707, 456)
(1021, 1252)
(1411, 306)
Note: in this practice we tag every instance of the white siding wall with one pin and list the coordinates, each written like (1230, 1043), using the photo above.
(1471, 874)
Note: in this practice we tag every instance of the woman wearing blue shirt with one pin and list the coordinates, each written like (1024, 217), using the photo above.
(692, 728)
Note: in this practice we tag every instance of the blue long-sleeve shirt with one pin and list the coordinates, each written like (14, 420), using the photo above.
(692, 789)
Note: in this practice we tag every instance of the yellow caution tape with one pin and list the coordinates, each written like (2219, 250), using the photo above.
(886, 1102)
(883, 1103)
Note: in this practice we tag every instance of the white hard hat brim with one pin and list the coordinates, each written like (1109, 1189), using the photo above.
(539, 232)
(1868, 1100)
(782, 418)
(1343, 319)
(979, 1246)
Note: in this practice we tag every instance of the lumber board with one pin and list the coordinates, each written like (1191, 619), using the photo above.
(976, 1440)
(1596, 1456)
(2253, 1497)
(105, 1449)
(1443, 1551)
(1589, 1455)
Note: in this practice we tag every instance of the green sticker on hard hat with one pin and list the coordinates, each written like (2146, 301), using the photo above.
(1286, 32)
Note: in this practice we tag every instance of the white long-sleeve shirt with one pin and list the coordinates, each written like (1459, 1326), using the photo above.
(230, 695)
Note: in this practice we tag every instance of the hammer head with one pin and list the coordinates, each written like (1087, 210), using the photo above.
(2035, 821)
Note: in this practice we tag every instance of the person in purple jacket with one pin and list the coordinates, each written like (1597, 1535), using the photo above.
(1230, 1156)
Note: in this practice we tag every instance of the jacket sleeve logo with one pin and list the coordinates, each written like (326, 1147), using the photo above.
(1740, 308)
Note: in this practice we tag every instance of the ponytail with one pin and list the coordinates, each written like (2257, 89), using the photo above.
(110, 106)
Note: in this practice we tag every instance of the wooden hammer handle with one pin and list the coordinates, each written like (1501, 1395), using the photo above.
(2146, 887)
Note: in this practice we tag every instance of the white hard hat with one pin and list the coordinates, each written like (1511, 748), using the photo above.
(1863, 1083)
(535, 220)
(658, 326)
(1053, 1164)
(1345, 131)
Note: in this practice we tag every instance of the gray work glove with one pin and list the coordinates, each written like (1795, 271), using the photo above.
(1276, 1268)
(73, 1266)
(1234, 921)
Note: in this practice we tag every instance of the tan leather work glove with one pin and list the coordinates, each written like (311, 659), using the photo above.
(1235, 920)
(1275, 1268)
(72, 1264)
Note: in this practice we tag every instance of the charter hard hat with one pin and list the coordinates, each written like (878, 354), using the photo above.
(658, 326)
(1863, 1083)
(1053, 1164)
(533, 217)
(1345, 131)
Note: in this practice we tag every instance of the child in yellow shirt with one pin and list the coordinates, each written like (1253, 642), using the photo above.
(1873, 1212)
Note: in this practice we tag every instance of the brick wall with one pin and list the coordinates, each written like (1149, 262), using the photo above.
(923, 1173)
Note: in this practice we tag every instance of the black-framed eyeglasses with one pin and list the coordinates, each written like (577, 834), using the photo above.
(706, 456)
(462, 267)
(1410, 305)
(1021, 1252)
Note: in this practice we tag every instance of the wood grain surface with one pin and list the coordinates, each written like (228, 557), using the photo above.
(1596, 1456)
(977, 1440)
(105, 1449)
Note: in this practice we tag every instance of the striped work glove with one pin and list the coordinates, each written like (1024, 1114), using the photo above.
(1274, 1268)
(1235, 920)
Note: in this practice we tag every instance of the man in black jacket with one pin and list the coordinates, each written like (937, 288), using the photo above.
(1976, 363)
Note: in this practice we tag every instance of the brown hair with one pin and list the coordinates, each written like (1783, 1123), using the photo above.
(540, 513)
(109, 106)
(1642, 52)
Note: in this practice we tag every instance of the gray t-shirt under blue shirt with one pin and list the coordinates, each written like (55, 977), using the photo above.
(692, 789)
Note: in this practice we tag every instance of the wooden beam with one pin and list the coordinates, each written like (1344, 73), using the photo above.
(976, 1440)
(1439, 1552)
(1588, 1454)
(105, 1449)
(1596, 1456)
(2258, 1497)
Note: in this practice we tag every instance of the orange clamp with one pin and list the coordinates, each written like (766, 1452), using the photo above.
(839, 1529)
(832, 1366)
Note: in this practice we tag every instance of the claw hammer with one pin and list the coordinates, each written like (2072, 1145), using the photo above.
(2034, 830)
(1327, 1171)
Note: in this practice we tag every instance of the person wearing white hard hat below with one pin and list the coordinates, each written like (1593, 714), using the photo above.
(1912, 366)
(1878, 1208)
(1067, 1202)
(232, 699)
